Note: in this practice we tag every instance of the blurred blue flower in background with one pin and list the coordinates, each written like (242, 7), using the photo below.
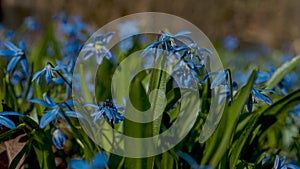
(6, 121)
(230, 42)
(97, 48)
(99, 161)
(126, 31)
(30, 23)
(18, 55)
(59, 139)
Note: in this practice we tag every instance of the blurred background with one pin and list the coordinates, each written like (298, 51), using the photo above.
(269, 23)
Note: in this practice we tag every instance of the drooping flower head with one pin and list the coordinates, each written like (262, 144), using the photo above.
(108, 110)
(55, 110)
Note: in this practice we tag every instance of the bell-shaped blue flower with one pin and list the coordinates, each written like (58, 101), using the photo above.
(59, 139)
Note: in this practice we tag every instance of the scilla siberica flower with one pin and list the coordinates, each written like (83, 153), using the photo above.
(166, 42)
(17, 54)
(107, 110)
(98, 48)
(280, 164)
(6, 121)
(55, 110)
(59, 139)
(257, 93)
(47, 72)
(99, 161)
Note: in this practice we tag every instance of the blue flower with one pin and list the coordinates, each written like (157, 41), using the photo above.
(59, 139)
(6, 121)
(280, 164)
(48, 72)
(230, 43)
(256, 93)
(30, 23)
(18, 55)
(107, 110)
(100, 160)
(166, 42)
(55, 110)
(126, 31)
(75, 28)
(98, 48)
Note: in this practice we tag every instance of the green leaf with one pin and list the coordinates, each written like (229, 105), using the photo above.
(43, 149)
(279, 74)
(220, 141)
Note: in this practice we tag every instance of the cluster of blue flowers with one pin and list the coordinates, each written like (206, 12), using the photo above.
(72, 33)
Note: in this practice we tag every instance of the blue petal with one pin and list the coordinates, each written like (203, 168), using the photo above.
(97, 115)
(41, 102)
(22, 45)
(68, 91)
(48, 76)
(262, 77)
(67, 103)
(108, 37)
(100, 160)
(12, 64)
(73, 114)
(7, 53)
(10, 113)
(262, 97)
(188, 159)
(219, 79)
(292, 166)
(182, 33)
(91, 105)
(7, 122)
(99, 58)
(58, 80)
(250, 103)
(24, 65)
(11, 46)
(276, 162)
(88, 54)
(48, 117)
(79, 164)
(109, 113)
(49, 100)
(38, 73)
(59, 139)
